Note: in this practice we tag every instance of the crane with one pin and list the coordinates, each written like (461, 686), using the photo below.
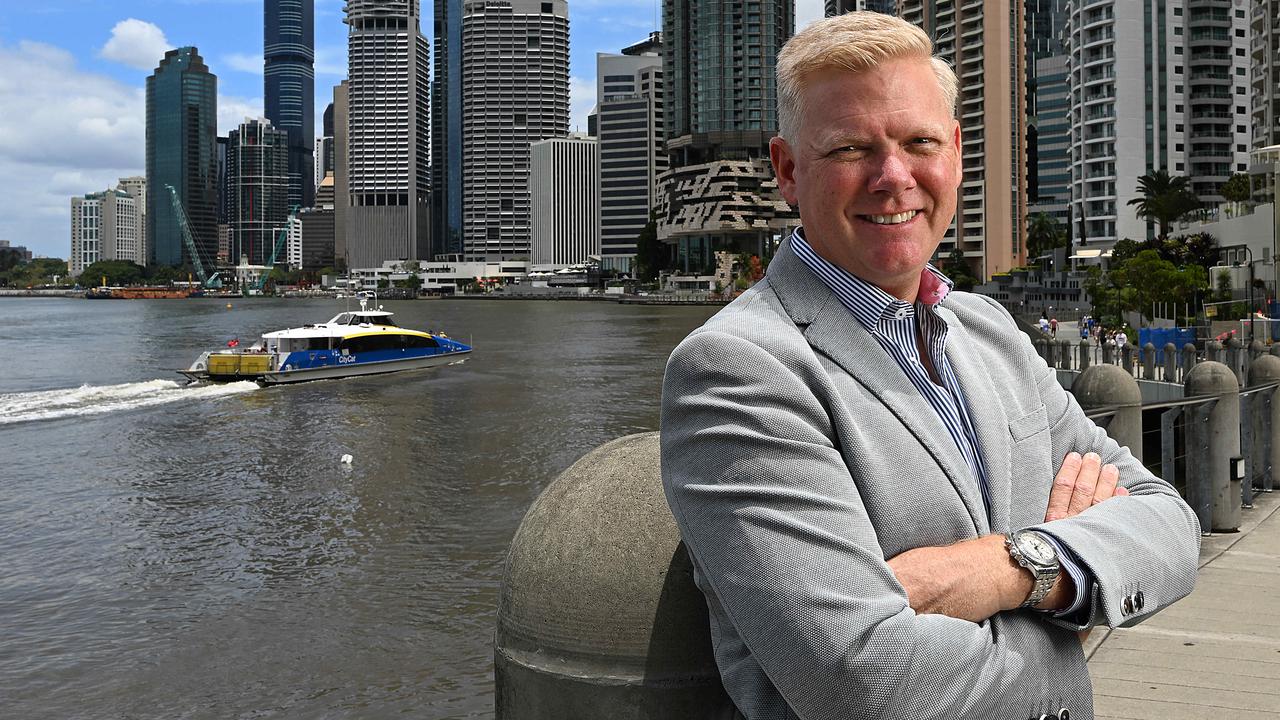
(275, 251)
(181, 213)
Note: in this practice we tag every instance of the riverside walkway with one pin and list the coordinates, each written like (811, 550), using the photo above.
(1216, 653)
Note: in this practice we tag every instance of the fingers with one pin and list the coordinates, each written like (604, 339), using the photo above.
(1064, 485)
(1082, 496)
(1107, 487)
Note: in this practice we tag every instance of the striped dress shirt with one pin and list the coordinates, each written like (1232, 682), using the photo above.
(894, 323)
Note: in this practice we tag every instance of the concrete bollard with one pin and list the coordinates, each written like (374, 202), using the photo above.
(1213, 351)
(1149, 361)
(1108, 353)
(1275, 349)
(1086, 351)
(1235, 359)
(1064, 353)
(1189, 358)
(1212, 491)
(1127, 353)
(1042, 347)
(1266, 369)
(1256, 349)
(598, 615)
(1170, 362)
(1104, 386)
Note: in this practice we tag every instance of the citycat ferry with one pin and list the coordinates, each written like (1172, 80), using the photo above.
(361, 342)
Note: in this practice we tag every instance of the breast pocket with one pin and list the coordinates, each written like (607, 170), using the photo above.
(1032, 467)
(1029, 425)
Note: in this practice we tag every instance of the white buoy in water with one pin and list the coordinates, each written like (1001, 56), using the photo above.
(346, 459)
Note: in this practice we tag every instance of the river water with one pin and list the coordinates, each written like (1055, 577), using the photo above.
(175, 552)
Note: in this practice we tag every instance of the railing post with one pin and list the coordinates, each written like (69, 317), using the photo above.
(1064, 353)
(1085, 349)
(1108, 353)
(1266, 369)
(1189, 359)
(1105, 386)
(1170, 363)
(1234, 359)
(1223, 434)
(1127, 351)
(1213, 351)
(1149, 361)
(1042, 347)
(598, 616)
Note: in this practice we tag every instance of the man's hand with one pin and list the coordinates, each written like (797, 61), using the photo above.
(975, 579)
(1082, 482)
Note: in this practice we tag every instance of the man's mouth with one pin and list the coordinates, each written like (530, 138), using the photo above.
(891, 219)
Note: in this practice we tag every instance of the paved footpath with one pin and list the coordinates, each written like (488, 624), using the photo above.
(1215, 654)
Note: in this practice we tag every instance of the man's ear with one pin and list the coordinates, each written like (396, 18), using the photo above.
(784, 168)
(956, 139)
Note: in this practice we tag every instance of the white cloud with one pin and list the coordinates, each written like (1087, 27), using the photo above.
(136, 43)
(251, 64)
(331, 61)
(582, 100)
(807, 11)
(64, 132)
(233, 110)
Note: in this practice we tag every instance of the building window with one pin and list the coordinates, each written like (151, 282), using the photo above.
(546, 8)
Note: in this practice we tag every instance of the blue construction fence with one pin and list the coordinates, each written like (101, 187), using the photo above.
(1163, 336)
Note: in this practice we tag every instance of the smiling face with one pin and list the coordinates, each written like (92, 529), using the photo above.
(874, 170)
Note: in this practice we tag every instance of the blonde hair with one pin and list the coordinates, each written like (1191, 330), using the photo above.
(855, 42)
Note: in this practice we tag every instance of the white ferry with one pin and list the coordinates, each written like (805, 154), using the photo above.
(361, 342)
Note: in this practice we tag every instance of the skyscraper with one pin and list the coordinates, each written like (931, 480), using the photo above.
(288, 46)
(258, 178)
(1048, 109)
(1265, 31)
(388, 132)
(563, 187)
(840, 7)
(629, 92)
(104, 226)
(515, 91)
(983, 41)
(324, 149)
(1154, 85)
(446, 131)
(720, 107)
(182, 138)
(341, 178)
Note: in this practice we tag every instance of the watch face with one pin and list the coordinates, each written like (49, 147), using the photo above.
(1036, 548)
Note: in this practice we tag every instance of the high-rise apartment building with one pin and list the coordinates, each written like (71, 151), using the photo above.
(341, 179)
(258, 179)
(324, 148)
(983, 42)
(105, 226)
(1265, 69)
(628, 123)
(1048, 143)
(720, 103)
(515, 91)
(289, 80)
(388, 175)
(840, 7)
(446, 131)
(136, 185)
(182, 139)
(1154, 85)
(563, 191)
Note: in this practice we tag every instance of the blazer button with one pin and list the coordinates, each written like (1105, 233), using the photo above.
(1127, 605)
(1064, 714)
(1138, 601)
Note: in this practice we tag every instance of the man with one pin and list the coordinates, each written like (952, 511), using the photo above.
(862, 463)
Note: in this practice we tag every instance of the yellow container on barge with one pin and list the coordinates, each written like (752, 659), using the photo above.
(247, 365)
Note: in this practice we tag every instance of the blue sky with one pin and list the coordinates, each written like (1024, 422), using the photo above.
(72, 77)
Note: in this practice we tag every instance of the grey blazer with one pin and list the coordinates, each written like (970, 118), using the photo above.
(797, 457)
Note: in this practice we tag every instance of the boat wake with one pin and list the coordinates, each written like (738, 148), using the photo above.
(100, 399)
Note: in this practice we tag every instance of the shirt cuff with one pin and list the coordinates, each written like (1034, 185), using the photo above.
(1082, 578)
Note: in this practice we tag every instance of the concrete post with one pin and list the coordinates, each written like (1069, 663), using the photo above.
(1189, 358)
(1105, 386)
(1127, 351)
(1108, 353)
(1086, 351)
(1266, 369)
(1064, 353)
(1042, 347)
(1275, 349)
(1235, 351)
(1213, 351)
(1223, 434)
(1256, 349)
(598, 615)
(1149, 361)
(1170, 362)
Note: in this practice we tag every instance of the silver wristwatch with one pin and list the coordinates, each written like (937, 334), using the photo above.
(1033, 551)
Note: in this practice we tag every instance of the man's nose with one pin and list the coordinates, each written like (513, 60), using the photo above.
(893, 175)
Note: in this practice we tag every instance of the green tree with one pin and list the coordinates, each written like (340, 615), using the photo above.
(1163, 198)
(116, 272)
(957, 268)
(31, 273)
(1236, 188)
(1150, 279)
(1044, 233)
(651, 253)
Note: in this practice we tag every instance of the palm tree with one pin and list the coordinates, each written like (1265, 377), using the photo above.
(1164, 199)
(1044, 233)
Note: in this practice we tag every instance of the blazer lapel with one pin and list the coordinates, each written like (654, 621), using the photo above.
(990, 423)
(833, 331)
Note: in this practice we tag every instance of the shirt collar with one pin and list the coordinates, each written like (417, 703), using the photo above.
(867, 302)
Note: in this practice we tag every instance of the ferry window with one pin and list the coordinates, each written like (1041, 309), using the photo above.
(418, 341)
(371, 343)
(384, 320)
(318, 343)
